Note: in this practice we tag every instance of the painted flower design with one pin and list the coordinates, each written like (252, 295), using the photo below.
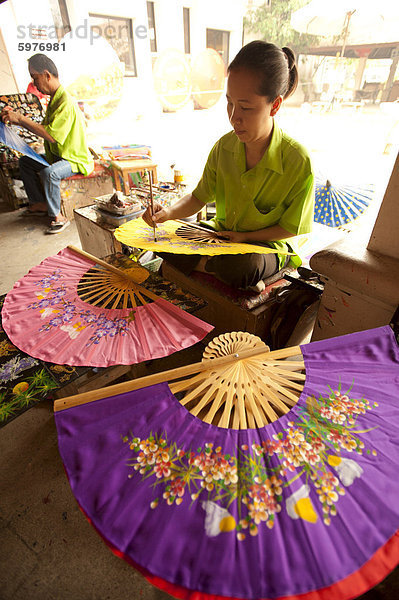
(6, 348)
(348, 470)
(163, 236)
(300, 506)
(302, 469)
(15, 366)
(65, 315)
(217, 520)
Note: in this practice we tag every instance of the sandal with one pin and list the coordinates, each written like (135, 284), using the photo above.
(58, 226)
(34, 213)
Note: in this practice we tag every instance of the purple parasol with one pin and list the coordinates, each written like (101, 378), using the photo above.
(305, 506)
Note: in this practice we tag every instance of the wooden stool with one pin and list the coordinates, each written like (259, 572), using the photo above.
(123, 168)
(229, 309)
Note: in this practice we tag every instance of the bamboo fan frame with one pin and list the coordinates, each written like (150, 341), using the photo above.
(197, 233)
(239, 384)
(111, 287)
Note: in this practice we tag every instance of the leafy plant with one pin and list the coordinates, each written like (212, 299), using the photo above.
(273, 24)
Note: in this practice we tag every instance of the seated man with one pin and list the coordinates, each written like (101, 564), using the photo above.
(44, 99)
(63, 131)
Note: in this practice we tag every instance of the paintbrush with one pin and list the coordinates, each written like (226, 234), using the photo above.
(152, 203)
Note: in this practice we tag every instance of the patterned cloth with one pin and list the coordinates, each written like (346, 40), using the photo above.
(25, 381)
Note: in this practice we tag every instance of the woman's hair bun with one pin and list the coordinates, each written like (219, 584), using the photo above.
(293, 72)
(275, 68)
(290, 57)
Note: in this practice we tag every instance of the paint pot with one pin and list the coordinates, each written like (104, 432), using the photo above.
(178, 176)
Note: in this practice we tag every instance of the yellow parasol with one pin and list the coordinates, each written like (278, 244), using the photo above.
(183, 238)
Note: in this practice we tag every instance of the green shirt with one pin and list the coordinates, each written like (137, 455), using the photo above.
(64, 122)
(279, 190)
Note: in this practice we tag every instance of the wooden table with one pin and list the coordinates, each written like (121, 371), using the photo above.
(123, 168)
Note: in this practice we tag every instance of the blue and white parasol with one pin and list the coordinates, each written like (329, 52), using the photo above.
(10, 138)
(339, 205)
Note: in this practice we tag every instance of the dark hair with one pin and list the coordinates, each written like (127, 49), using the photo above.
(41, 63)
(275, 67)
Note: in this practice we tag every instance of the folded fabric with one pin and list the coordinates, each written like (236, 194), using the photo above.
(128, 152)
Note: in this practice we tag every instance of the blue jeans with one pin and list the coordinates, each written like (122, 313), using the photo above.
(42, 184)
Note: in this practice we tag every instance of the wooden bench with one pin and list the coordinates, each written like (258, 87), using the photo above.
(229, 309)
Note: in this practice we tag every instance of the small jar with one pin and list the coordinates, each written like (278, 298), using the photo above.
(178, 177)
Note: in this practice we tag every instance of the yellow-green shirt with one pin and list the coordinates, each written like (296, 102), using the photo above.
(64, 122)
(279, 190)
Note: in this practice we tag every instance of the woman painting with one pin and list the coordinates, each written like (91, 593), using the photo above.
(260, 179)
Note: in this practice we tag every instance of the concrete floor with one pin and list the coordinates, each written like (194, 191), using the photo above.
(48, 551)
(23, 244)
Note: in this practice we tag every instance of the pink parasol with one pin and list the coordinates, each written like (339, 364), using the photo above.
(67, 310)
